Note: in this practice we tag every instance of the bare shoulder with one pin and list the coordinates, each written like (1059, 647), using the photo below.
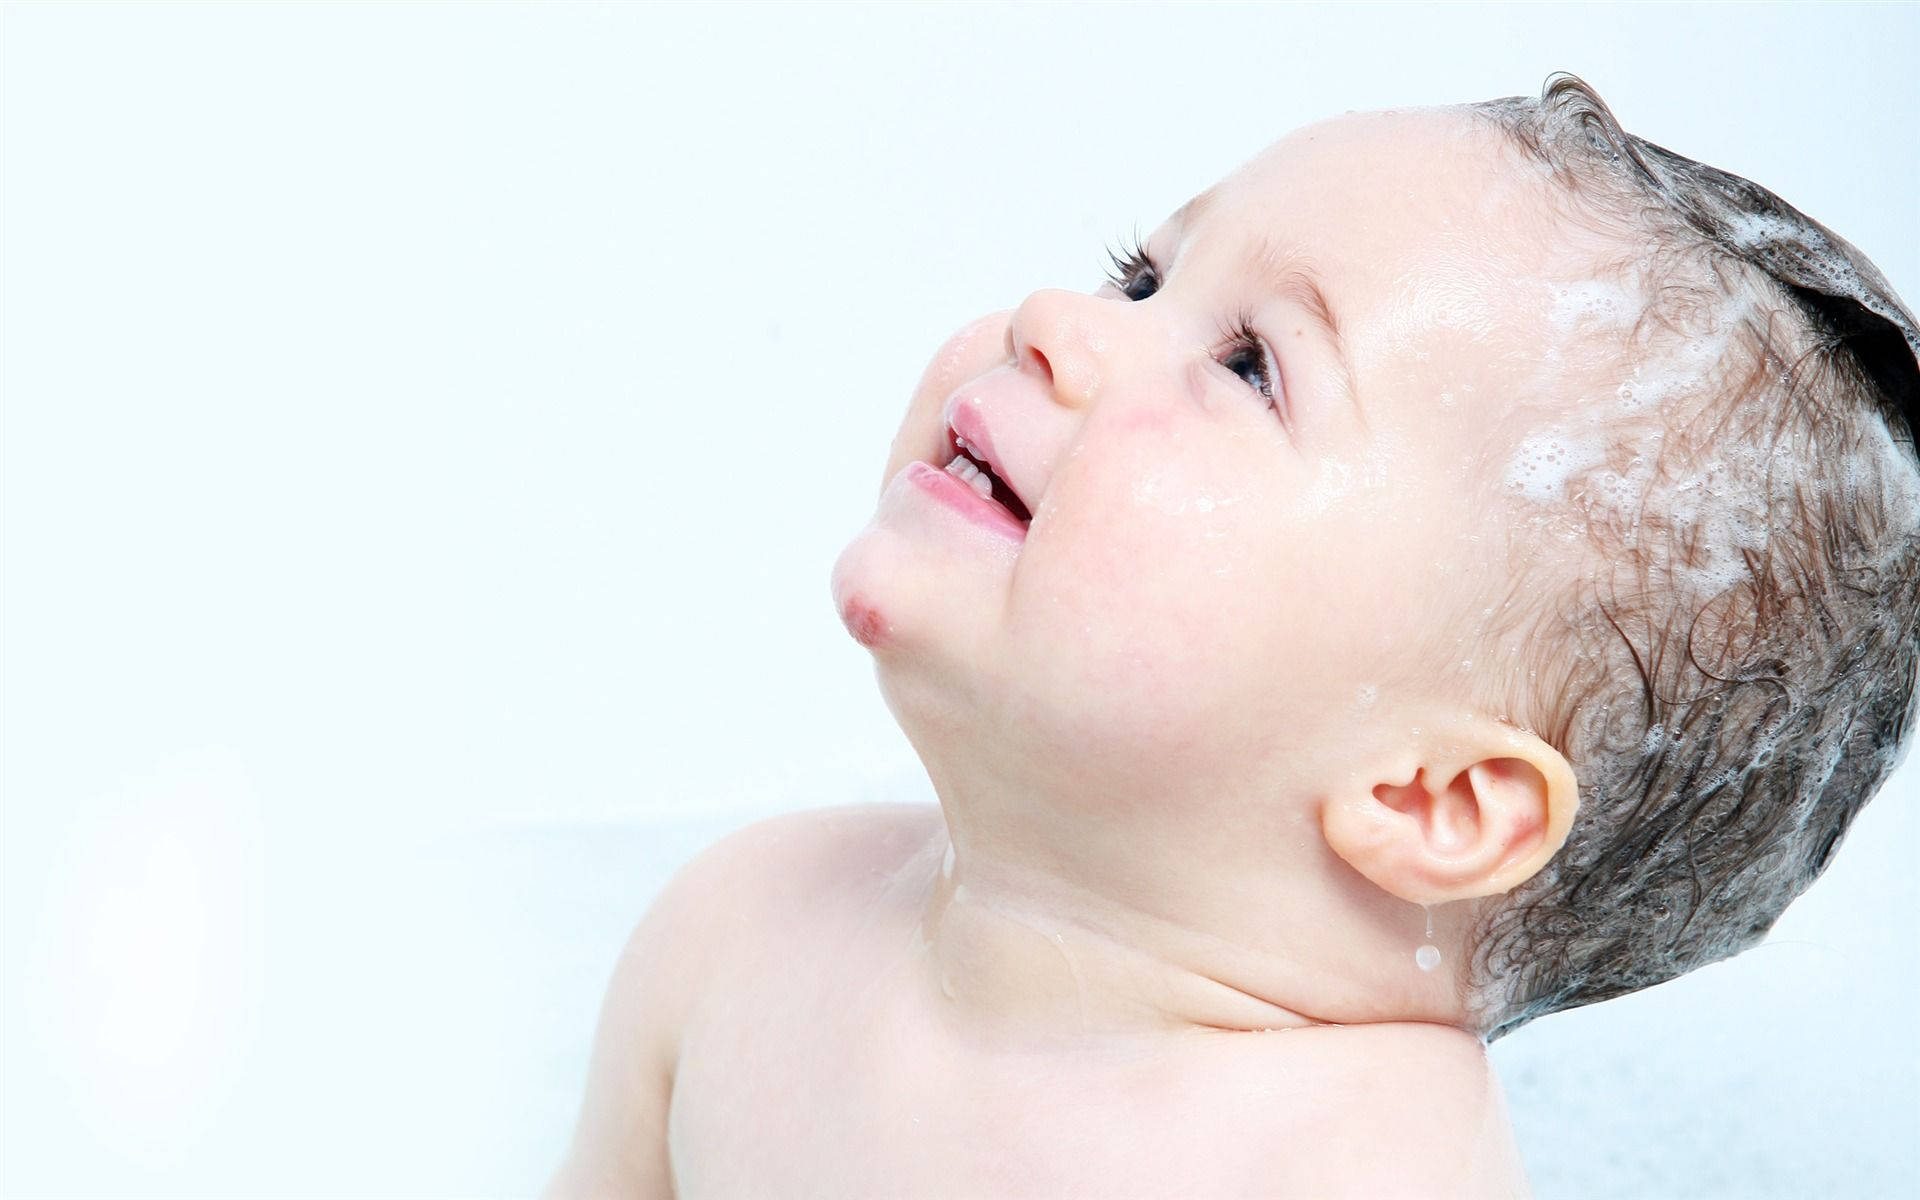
(765, 879)
(1411, 1108)
(748, 891)
(801, 844)
(790, 864)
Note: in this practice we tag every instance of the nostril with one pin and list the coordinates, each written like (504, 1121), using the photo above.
(1059, 341)
(1030, 358)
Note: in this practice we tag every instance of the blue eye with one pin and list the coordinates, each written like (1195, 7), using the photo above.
(1245, 352)
(1132, 271)
(1242, 351)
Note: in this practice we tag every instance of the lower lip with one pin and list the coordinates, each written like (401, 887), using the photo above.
(964, 500)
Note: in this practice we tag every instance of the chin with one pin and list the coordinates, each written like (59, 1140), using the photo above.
(932, 653)
(886, 591)
(858, 583)
(916, 576)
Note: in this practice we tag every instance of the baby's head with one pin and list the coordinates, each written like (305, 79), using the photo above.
(1732, 674)
(1474, 508)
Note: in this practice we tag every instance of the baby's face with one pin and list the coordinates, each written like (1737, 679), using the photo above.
(1240, 552)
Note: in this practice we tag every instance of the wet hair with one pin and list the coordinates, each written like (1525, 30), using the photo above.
(1731, 673)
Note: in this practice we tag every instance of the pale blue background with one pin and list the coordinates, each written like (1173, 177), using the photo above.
(428, 431)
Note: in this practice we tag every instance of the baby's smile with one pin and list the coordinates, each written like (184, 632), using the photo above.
(991, 499)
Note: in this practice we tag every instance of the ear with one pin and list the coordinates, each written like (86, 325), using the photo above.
(1475, 810)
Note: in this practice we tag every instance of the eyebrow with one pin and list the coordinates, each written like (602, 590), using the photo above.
(1290, 277)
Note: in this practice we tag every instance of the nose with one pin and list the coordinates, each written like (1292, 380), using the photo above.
(1062, 337)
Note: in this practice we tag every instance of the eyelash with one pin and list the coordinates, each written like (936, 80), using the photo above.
(1131, 263)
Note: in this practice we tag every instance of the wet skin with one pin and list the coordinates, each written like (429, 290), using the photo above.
(1207, 740)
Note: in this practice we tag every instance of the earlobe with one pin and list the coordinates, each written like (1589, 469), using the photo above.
(1477, 821)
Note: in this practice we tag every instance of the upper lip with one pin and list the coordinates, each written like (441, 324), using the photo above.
(966, 421)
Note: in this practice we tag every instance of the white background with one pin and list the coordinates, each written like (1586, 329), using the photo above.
(428, 431)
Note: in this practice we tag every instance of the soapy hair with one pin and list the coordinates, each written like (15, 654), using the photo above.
(1732, 672)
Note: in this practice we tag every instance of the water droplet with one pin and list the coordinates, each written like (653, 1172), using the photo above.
(1427, 957)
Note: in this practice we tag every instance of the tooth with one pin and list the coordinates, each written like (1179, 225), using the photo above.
(973, 476)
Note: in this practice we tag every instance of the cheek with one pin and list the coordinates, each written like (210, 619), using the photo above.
(974, 350)
(967, 352)
(1181, 595)
(1163, 507)
(1148, 570)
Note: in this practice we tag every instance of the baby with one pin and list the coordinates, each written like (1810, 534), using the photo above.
(1462, 567)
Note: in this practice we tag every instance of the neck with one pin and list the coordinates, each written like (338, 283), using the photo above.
(1027, 945)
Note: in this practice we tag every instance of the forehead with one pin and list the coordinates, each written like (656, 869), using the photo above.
(1466, 295)
(1402, 159)
(1375, 195)
(1439, 246)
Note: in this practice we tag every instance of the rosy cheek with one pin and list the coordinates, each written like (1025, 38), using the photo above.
(1147, 422)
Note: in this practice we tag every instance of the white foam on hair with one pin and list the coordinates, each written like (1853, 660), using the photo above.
(1588, 302)
(1604, 454)
(1541, 467)
(1901, 482)
(1754, 233)
(1715, 483)
(1645, 450)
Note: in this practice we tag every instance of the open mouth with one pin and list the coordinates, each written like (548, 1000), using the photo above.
(966, 464)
